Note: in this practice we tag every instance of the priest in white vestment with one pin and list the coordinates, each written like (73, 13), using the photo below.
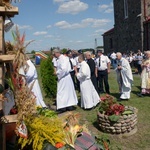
(32, 80)
(89, 96)
(66, 95)
(124, 76)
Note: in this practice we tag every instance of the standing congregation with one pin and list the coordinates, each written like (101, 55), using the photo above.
(90, 76)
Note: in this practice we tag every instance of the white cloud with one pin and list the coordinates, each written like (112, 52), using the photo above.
(58, 1)
(100, 22)
(88, 20)
(79, 41)
(40, 33)
(48, 36)
(100, 30)
(49, 26)
(84, 23)
(20, 27)
(66, 25)
(110, 10)
(106, 8)
(72, 7)
(62, 24)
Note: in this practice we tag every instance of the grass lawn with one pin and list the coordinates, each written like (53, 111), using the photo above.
(141, 139)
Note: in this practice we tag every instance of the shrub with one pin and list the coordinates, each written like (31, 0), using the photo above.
(48, 78)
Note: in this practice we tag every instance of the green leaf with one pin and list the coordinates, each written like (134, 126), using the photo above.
(127, 112)
(114, 118)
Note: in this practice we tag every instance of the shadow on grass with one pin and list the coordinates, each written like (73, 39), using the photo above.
(138, 87)
(95, 124)
(135, 93)
(115, 95)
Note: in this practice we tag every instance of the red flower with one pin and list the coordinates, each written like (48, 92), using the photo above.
(59, 145)
(13, 111)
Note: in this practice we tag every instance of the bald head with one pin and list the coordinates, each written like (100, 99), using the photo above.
(88, 55)
(118, 55)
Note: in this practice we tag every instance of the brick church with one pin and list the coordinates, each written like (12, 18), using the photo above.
(131, 30)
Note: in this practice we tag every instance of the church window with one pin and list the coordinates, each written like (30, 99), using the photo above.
(126, 9)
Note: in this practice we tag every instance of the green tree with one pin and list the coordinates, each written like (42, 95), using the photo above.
(33, 52)
(48, 78)
(64, 50)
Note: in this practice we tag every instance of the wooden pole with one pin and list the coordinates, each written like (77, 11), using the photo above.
(1, 35)
(3, 13)
(2, 19)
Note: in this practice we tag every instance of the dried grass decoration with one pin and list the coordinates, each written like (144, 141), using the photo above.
(72, 128)
(24, 98)
(42, 129)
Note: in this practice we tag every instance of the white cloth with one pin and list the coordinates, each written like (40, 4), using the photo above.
(124, 78)
(104, 60)
(9, 103)
(31, 76)
(66, 95)
(89, 96)
(113, 56)
(54, 61)
(77, 62)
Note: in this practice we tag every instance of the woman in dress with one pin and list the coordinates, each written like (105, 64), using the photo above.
(145, 75)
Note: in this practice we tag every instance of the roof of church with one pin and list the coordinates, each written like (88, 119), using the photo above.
(108, 32)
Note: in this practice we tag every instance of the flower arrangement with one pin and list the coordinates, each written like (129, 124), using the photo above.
(41, 130)
(46, 128)
(112, 109)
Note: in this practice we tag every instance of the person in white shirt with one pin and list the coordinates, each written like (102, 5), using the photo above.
(130, 59)
(113, 59)
(89, 95)
(102, 71)
(66, 95)
(139, 59)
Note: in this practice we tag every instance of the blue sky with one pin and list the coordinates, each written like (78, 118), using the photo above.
(72, 24)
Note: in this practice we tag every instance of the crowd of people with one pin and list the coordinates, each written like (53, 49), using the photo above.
(140, 63)
(89, 75)
(134, 59)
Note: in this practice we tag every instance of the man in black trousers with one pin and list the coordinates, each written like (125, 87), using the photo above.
(72, 65)
(102, 71)
(92, 66)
